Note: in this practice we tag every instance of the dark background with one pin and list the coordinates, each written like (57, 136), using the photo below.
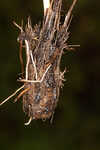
(76, 124)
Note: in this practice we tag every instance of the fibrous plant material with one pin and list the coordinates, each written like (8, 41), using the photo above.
(44, 45)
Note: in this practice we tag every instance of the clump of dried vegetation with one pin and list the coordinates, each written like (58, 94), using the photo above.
(44, 45)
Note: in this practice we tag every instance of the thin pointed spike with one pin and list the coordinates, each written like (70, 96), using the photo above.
(27, 123)
(21, 94)
(19, 27)
(34, 65)
(27, 57)
(46, 4)
(68, 16)
(73, 45)
(45, 73)
(29, 22)
(29, 81)
(12, 95)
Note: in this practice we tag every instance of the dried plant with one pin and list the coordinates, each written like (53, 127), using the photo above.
(44, 45)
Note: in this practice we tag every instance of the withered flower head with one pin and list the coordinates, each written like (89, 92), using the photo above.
(44, 45)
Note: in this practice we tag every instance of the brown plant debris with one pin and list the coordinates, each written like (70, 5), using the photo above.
(44, 45)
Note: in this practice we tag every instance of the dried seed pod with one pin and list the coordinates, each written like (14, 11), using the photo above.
(44, 46)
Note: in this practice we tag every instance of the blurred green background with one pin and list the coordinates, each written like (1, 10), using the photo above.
(76, 124)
